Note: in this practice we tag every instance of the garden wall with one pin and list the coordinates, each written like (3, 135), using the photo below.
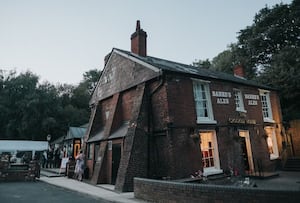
(168, 191)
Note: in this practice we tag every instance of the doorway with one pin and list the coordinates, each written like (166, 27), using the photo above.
(96, 151)
(77, 147)
(246, 153)
(116, 156)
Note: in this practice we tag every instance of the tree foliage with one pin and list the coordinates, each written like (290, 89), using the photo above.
(269, 52)
(30, 110)
(202, 63)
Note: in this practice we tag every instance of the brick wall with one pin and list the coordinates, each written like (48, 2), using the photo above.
(134, 160)
(173, 108)
(165, 191)
(180, 98)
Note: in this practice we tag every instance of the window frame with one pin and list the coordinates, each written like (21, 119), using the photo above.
(239, 104)
(266, 94)
(216, 168)
(208, 104)
(90, 151)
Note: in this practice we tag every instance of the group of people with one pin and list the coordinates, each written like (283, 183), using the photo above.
(52, 158)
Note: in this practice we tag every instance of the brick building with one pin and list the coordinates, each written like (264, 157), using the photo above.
(160, 119)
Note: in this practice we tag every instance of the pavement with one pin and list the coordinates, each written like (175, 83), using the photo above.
(105, 192)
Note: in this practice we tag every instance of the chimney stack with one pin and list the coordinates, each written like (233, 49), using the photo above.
(238, 71)
(139, 41)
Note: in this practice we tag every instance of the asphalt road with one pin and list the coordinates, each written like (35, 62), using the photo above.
(40, 192)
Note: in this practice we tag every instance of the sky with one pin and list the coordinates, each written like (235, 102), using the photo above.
(60, 40)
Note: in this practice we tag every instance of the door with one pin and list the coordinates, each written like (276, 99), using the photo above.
(246, 152)
(116, 156)
(96, 151)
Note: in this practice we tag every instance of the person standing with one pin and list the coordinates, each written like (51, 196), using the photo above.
(50, 158)
(79, 167)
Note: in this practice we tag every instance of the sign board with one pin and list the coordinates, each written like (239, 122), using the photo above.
(64, 162)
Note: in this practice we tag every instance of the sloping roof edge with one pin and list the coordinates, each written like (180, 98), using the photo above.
(176, 67)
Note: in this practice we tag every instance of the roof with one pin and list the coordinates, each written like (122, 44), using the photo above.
(58, 140)
(171, 66)
(97, 137)
(22, 145)
(75, 132)
(120, 132)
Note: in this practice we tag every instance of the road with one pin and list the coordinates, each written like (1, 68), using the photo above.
(40, 192)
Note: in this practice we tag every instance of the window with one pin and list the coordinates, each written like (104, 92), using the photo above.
(210, 154)
(266, 106)
(271, 142)
(238, 98)
(203, 102)
(90, 151)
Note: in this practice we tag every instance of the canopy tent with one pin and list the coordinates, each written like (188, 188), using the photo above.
(22, 145)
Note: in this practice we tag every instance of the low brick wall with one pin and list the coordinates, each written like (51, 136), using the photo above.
(22, 172)
(167, 191)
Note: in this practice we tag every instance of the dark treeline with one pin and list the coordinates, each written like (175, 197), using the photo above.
(30, 110)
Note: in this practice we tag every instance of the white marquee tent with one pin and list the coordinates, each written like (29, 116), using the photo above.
(22, 145)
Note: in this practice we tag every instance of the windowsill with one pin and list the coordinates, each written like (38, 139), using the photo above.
(241, 110)
(211, 171)
(269, 120)
(273, 156)
(200, 121)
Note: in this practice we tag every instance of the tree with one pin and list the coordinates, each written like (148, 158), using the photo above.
(30, 110)
(273, 30)
(284, 73)
(223, 62)
(90, 80)
(202, 63)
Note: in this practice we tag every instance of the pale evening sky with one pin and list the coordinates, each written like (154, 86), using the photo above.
(59, 40)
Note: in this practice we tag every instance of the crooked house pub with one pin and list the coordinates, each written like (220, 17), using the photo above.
(157, 118)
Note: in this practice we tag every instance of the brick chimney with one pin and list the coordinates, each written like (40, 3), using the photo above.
(139, 41)
(238, 71)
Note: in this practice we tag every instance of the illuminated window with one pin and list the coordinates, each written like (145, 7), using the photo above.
(238, 98)
(266, 106)
(203, 102)
(271, 142)
(210, 154)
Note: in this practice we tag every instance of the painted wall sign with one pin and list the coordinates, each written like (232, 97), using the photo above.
(222, 101)
(221, 94)
(252, 99)
(222, 97)
(241, 121)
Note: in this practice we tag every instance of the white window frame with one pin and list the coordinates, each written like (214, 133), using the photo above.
(216, 168)
(266, 106)
(210, 117)
(270, 134)
(238, 99)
